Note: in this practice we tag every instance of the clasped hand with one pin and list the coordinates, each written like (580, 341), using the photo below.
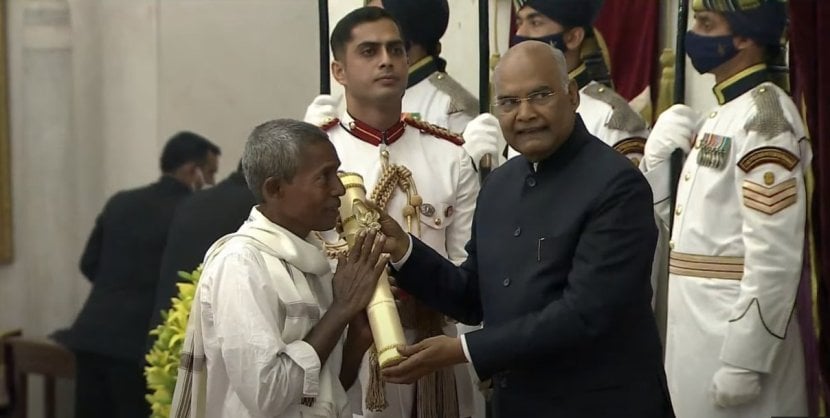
(358, 272)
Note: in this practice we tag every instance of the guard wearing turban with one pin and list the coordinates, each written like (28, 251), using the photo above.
(733, 348)
(432, 95)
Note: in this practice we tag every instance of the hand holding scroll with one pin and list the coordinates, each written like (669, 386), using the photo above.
(425, 357)
(397, 241)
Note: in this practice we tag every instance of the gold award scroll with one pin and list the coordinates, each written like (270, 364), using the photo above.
(382, 310)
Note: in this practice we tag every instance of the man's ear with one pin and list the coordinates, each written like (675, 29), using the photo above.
(573, 93)
(573, 38)
(272, 189)
(742, 42)
(338, 71)
(190, 169)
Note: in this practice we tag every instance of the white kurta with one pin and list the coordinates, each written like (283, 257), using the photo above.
(445, 179)
(258, 364)
(741, 195)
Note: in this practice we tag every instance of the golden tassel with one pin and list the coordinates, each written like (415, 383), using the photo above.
(437, 396)
(375, 394)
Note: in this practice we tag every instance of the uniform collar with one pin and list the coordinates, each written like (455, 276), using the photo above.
(422, 69)
(580, 75)
(362, 131)
(740, 83)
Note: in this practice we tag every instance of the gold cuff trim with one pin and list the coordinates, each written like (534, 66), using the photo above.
(705, 266)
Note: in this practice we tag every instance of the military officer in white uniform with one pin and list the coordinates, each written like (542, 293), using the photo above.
(431, 94)
(418, 173)
(566, 24)
(733, 346)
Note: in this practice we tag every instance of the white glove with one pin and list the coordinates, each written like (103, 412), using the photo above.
(675, 128)
(322, 110)
(733, 386)
(482, 136)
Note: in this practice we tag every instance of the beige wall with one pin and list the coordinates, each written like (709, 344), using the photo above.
(91, 112)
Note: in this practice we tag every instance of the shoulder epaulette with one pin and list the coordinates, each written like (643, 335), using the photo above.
(769, 120)
(329, 123)
(434, 130)
(623, 118)
(460, 99)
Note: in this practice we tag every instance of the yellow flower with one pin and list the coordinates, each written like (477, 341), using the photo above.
(163, 358)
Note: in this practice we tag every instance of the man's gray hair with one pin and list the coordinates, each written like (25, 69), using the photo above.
(274, 149)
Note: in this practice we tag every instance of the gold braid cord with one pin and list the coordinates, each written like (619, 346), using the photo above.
(436, 393)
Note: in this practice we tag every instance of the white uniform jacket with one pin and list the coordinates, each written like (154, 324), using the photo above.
(736, 252)
(448, 184)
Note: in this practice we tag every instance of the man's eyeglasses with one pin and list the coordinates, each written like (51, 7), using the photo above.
(507, 105)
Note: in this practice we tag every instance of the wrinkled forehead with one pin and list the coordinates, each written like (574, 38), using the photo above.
(317, 155)
(524, 71)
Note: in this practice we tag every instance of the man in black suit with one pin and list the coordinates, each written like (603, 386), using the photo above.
(558, 266)
(200, 220)
(121, 260)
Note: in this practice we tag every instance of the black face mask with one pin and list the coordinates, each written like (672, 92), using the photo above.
(557, 40)
(709, 52)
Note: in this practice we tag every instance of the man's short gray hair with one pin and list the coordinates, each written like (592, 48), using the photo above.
(274, 149)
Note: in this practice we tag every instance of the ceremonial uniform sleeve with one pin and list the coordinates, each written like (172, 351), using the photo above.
(769, 180)
(267, 374)
(675, 128)
(456, 122)
(610, 118)
(630, 143)
(458, 232)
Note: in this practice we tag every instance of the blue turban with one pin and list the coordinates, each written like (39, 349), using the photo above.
(761, 20)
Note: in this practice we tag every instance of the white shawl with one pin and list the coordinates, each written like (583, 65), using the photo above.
(303, 260)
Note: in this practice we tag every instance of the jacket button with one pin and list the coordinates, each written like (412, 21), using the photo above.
(506, 282)
(531, 182)
(678, 210)
(517, 232)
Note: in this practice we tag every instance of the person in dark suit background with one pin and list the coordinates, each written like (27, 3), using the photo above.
(200, 219)
(558, 267)
(121, 260)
